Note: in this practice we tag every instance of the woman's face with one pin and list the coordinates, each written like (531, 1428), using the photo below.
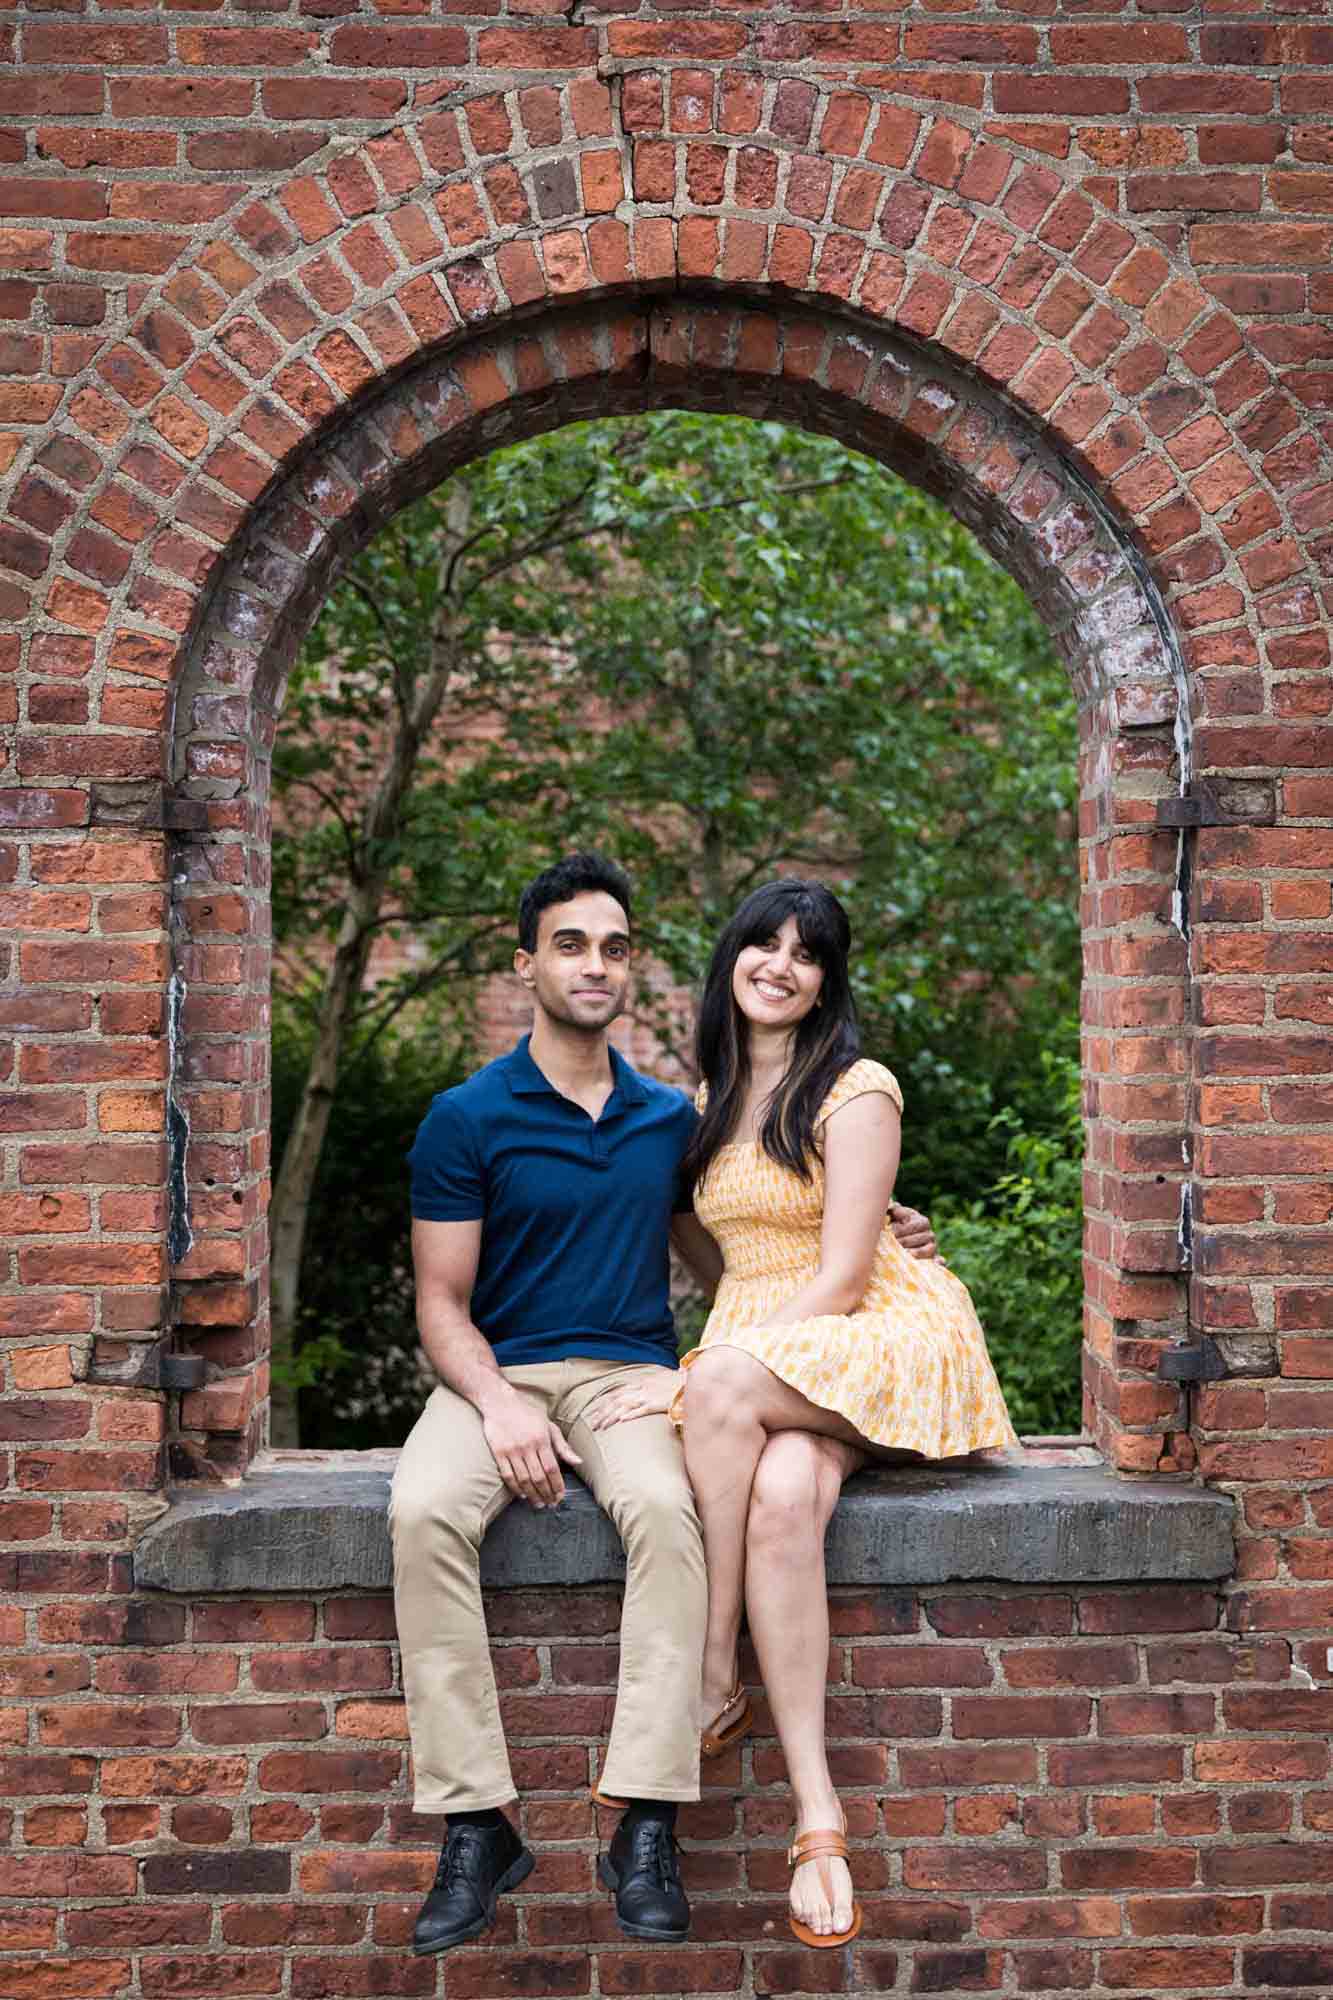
(777, 981)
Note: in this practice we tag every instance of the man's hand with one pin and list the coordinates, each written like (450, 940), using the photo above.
(913, 1231)
(527, 1449)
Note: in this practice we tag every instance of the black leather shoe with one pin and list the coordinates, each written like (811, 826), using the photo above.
(642, 1868)
(477, 1864)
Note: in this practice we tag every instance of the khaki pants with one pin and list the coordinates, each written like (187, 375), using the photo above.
(447, 1492)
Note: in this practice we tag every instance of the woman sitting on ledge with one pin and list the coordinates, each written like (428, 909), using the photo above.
(828, 1344)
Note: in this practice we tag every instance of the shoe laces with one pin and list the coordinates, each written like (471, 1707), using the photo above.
(669, 1854)
(451, 1854)
(657, 1844)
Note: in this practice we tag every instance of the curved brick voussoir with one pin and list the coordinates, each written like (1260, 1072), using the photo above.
(338, 277)
(896, 399)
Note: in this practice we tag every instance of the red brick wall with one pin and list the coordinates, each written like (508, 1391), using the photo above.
(1067, 263)
(1068, 1790)
(265, 278)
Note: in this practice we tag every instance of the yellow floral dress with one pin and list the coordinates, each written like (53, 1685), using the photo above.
(909, 1368)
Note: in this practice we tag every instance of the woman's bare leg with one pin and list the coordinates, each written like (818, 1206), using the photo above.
(722, 1449)
(733, 1405)
(796, 1488)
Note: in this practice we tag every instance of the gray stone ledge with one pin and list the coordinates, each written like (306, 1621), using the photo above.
(317, 1522)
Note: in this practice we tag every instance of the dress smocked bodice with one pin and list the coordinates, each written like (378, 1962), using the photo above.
(766, 1220)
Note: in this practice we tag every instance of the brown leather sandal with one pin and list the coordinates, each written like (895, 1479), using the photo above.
(813, 1846)
(715, 1742)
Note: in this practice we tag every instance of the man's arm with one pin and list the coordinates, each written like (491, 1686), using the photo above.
(697, 1250)
(526, 1446)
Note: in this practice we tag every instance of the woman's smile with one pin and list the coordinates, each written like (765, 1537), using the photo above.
(777, 972)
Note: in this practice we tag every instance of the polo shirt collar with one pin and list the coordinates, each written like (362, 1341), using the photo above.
(526, 1080)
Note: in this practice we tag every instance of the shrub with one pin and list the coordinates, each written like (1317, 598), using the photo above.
(357, 1363)
(1018, 1249)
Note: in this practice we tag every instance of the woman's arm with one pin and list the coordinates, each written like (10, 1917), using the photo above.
(862, 1140)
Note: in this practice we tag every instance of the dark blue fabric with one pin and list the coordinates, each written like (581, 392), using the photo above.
(575, 1212)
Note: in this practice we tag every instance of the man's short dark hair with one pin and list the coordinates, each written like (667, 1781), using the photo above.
(576, 875)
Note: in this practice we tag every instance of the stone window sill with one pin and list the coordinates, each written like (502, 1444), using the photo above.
(316, 1521)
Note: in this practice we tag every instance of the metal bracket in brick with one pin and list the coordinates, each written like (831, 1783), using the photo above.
(184, 815)
(153, 1366)
(1220, 802)
(147, 806)
(1197, 1360)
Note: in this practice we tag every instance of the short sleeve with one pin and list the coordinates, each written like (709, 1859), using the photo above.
(448, 1178)
(862, 1077)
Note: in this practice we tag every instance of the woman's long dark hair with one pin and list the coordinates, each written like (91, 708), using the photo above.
(825, 1043)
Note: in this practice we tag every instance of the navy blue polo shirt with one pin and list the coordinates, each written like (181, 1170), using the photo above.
(575, 1212)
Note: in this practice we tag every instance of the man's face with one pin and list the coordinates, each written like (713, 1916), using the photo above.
(579, 972)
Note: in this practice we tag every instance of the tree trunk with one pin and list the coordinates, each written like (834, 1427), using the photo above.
(289, 1209)
(712, 860)
(701, 714)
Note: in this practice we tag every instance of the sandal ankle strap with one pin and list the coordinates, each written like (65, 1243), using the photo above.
(819, 1840)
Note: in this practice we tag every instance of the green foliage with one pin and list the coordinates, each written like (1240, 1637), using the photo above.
(1017, 1249)
(964, 1077)
(807, 663)
(719, 649)
(356, 1362)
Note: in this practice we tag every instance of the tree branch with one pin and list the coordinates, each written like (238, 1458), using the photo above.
(362, 591)
(621, 521)
(330, 803)
(561, 513)
(457, 957)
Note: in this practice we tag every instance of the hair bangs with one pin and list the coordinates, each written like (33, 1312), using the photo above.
(820, 921)
(824, 1044)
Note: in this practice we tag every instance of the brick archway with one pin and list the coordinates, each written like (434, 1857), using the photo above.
(892, 398)
(297, 332)
(268, 321)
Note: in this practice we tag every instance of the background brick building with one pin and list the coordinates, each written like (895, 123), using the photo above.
(272, 273)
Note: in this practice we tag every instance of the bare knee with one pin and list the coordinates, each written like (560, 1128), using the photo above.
(795, 1490)
(721, 1388)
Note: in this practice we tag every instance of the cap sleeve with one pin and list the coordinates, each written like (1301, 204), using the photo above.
(863, 1076)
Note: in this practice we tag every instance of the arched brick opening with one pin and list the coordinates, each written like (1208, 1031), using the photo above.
(902, 403)
(301, 329)
(266, 323)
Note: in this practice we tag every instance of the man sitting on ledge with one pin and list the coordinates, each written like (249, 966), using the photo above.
(545, 1190)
